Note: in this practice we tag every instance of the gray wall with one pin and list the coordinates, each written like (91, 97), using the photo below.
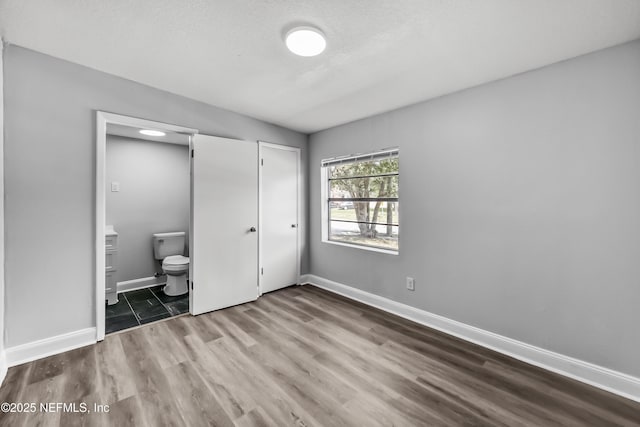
(153, 198)
(520, 207)
(50, 181)
(2, 305)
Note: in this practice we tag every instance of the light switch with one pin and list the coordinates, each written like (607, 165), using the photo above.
(115, 186)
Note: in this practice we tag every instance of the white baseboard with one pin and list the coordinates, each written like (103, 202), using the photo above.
(597, 376)
(49, 346)
(3, 366)
(144, 282)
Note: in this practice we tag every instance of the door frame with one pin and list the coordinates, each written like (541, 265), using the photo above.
(102, 120)
(261, 146)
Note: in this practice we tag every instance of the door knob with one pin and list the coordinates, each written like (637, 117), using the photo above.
(294, 225)
(252, 229)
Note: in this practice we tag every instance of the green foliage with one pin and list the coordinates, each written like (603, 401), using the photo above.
(367, 180)
(382, 186)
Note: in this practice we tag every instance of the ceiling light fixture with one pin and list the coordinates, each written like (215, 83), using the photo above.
(150, 132)
(305, 41)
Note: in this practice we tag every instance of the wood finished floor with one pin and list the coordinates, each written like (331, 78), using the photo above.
(303, 357)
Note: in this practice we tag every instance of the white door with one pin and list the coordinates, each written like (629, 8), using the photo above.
(224, 249)
(279, 260)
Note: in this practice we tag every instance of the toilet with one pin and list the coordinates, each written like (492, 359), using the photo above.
(169, 247)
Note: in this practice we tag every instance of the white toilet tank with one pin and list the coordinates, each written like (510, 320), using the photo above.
(166, 244)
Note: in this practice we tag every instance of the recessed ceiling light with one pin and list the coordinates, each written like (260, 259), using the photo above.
(305, 41)
(150, 132)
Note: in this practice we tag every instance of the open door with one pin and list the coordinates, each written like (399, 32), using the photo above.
(224, 239)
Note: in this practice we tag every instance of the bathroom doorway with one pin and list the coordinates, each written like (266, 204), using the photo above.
(142, 222)
(224, 227)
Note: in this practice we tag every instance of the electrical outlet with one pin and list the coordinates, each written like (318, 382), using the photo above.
(115, 186)
(411, 283)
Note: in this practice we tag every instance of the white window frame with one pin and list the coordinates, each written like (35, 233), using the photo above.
(324, 195)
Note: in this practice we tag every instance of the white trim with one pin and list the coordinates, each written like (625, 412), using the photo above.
(135, 284)
(299, 214)
(385, 152)
(190, 282)
(101, 146)
(3, 362)
(589, 373)
(363, 247)
(102, 119)
(324, 208)
(261, 145)
(3, 325)
(49, 346)
(118, 119)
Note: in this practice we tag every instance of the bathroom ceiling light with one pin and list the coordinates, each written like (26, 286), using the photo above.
(305, 41)
(150, 132)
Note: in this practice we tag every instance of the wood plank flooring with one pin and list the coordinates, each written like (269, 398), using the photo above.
(301, 357)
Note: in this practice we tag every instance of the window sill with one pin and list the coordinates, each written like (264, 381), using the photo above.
(362, 247)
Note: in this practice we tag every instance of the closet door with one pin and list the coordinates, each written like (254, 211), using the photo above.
(279, 189)
(224, 249)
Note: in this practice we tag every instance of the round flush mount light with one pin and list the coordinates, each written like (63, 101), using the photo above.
(305, 41)
(150, 132)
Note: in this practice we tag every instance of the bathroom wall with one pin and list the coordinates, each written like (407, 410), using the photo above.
(153, 198)
(520, 207)
(50, 156)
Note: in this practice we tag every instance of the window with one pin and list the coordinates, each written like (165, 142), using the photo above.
(360, 197)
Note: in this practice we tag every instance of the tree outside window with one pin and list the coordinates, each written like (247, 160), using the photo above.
(363, 200)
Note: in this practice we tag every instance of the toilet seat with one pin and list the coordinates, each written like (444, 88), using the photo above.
(175, 260)
(175, 263)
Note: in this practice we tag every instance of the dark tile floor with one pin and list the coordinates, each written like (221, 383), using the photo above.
(143, 306)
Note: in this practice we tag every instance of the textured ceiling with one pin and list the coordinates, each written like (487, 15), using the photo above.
(381, 54)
